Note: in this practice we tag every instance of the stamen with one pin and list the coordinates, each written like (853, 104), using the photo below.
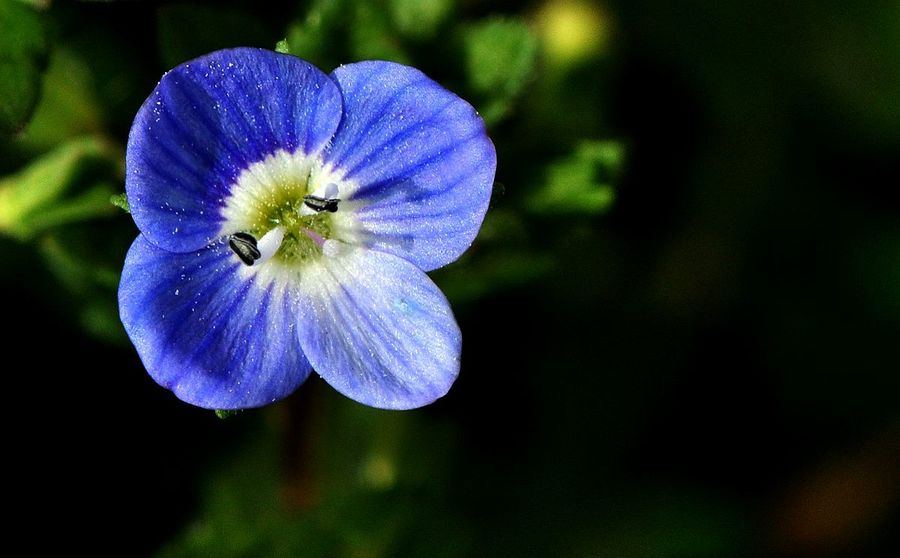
(253, 252)
(323, 200)
(283, 197)
(244, 245)
(318, 204)
(269, 244)
(331, 190)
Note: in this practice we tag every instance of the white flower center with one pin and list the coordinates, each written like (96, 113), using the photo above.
(288, 208)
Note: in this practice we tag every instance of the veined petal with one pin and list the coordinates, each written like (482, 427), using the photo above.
(207, 121)
(377, 329)
(217, 333)
(417, 161)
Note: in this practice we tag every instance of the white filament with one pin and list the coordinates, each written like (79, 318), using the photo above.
(269, 244)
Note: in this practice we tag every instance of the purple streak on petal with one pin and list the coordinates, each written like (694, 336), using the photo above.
(377, 329)
(216, 339)
(422, 159)
(208, 120)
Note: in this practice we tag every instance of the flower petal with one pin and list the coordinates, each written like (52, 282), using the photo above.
(211, 118)
(420, 159)
(217, 333)
(377, 329)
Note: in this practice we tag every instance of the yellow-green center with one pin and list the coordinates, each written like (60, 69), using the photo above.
(270, 194)
(299, 229)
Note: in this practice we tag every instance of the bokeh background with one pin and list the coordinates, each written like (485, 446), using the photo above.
(681, 316)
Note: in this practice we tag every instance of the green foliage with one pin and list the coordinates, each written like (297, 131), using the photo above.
(308, 37)
(57, 189)
(47, 203)
(419, 19)
(189, 30)
(69, 106)
(582, 182)
(373, 487)
(506, 257)
(365, 26)
(500, 57)
(475, 278)
(23, 46)
(120, 201)
(88, 280)
(371, 35)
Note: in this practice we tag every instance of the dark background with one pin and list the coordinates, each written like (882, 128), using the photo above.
(706, 367)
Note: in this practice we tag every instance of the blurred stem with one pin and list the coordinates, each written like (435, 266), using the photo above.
(301, 426)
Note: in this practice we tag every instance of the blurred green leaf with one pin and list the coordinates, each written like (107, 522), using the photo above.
(500, 57)
(92, 203)
(120, 201)
(501, 259)
(22, 50)
(852, 60)
(19, 86)
(99, 317)
(419, 19)
(581, 182)
(372, 37)
(90, 280)
(468, 281)
(75, 273)
(68, 107)
(364, 28)
(37, 4)
(503, 226)
(36, 198)
(187, 31)
(310, 38)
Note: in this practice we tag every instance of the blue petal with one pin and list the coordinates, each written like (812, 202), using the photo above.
(209, 119)
(378, 330)
(208, 328)
(422, 160)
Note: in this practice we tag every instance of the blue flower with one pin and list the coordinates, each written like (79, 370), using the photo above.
(287, 219)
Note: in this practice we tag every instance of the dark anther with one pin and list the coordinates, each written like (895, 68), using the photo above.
(319, 205)
(244, 245)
